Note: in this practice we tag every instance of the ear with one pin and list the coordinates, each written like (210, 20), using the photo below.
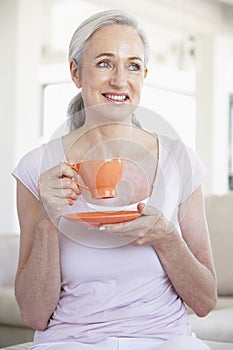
(74, 71)
(145, 73)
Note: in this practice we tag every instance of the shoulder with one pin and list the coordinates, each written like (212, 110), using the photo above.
(28, 169)
(37, 161)
(175, 146)
(189, 167)
(178, 151)
(31, 159)
(173, 151)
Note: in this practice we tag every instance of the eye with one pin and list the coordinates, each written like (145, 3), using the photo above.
(134, 67)
(104, 64)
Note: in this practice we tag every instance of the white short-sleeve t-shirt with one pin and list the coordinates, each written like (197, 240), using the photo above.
(109, 287)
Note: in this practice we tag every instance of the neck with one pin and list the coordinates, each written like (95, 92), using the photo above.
(98, 123)
(99, 115)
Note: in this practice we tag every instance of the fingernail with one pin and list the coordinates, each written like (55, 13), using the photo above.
(139, 241)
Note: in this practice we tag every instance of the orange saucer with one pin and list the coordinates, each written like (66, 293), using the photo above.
(98, 218)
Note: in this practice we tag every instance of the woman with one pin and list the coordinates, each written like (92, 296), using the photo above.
(131, 294)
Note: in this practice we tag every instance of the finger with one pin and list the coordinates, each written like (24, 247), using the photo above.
(139, 241)
(66, 171)
(124, 228)
(70, 202)
(68, 183)
(140, 207)
(118, 227)
(59, 187)
(148, 210)
(67, 193)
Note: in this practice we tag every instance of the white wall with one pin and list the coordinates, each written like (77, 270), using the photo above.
(30, 31)
(8, 40)
(20, 37)
(214, 74)
(223, 57)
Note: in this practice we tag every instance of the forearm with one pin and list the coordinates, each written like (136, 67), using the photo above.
(38, 283)
(193, 281)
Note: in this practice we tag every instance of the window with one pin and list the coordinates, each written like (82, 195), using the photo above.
(230, 177)
(55, 100)
(177, 109)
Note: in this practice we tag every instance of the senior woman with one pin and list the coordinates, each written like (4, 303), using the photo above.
(80, 292)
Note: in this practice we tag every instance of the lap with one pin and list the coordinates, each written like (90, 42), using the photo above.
(107, 344)
(178, 342)
(183, 342)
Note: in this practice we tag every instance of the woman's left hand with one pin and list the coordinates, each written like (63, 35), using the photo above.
(150, 228)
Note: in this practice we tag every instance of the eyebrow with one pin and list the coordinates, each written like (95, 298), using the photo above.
(108, 54)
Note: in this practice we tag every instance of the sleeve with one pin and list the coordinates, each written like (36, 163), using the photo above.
(193, 172)
(28, 170)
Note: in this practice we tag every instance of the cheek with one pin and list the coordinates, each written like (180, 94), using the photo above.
(91, 90)
(137, 84)
(94, 83)
(94, 78)
(89, 86)
(137, 90)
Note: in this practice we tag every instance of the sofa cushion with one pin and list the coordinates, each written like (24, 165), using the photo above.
(9, 250)
(14, 335)
(219, 345)
(219, 212)
(224, 302)
(216, 326)
(24, 346)
(9, 314)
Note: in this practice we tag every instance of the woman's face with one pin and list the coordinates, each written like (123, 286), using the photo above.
(112, 72)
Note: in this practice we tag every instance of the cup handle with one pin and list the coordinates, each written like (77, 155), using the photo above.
(82, 186)
(77, 183)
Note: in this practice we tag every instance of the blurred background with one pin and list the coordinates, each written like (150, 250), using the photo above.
(190, 80)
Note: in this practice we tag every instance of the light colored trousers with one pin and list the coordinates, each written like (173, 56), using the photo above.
(181, 342)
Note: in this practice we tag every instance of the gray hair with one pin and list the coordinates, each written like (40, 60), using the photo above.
(83, 33)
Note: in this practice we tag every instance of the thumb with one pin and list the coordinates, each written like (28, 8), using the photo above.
(147, 209)
(140, 207)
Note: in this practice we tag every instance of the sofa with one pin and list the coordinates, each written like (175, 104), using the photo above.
(216, 328)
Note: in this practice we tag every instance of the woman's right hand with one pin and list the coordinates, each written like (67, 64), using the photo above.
(57, 188)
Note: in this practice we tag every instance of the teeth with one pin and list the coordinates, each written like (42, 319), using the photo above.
(116, 97)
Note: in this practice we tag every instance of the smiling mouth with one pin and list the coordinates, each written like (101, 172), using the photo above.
(118, 98)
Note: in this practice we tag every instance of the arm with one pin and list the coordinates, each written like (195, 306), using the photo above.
(38, 280)
(188, 261)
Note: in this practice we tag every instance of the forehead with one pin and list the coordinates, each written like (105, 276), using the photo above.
(117, 39)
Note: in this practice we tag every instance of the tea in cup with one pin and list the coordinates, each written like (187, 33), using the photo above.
(100, 176)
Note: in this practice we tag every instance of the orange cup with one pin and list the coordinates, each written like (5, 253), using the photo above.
(100, 176)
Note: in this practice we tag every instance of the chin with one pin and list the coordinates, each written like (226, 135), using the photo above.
(118, 112)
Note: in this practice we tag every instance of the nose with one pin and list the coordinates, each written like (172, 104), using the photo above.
(118, 77)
